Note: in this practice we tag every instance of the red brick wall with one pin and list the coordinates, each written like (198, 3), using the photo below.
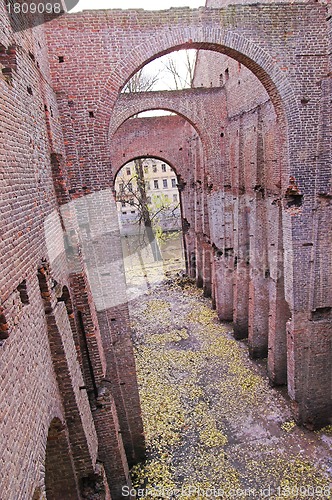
(45, 373)
(164, 137)
(253, 147)
(273, 41)
(30, 396)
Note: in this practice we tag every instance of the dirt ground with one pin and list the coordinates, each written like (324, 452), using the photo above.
(214, 427)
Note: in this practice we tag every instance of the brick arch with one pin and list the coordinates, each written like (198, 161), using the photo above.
(131, 104)
(170, 138)
(250, 34)
(125, 114)
(128, 105)
(232, 44)
(60, 478)
(243, 49)
(121, 115)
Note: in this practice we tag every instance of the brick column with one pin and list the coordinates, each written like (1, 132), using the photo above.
(241, 265)
(259, 274)
(221, 213)
(279, 312)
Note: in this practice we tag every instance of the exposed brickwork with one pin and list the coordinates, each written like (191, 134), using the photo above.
(155, 137)
(255, 180)
(60, 480)
(49, 367)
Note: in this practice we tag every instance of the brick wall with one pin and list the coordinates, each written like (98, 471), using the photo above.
(30, 396)
(253, 139)
(273, 41)
(162, 137)
(257, 199)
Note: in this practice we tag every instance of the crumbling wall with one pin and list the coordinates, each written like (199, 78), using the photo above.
(51, 352)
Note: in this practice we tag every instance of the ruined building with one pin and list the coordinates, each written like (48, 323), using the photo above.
(251, 146)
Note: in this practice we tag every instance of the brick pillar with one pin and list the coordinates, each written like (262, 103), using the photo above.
(279, 312)
(241, 233)
(199, 224)
(309, 370)
(224, 256)
(259, 276)
(207, 250)
(188, 229)
(121, 374)
(309, 335)
(199, 241)
(224, 286)
(207, 269)
(111, 450)
(241, 265)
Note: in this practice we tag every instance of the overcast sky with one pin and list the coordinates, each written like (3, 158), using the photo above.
(136, 4)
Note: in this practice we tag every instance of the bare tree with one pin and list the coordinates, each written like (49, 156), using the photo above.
(150, 210)
(141, 81)
(173, 71)
(133, 192)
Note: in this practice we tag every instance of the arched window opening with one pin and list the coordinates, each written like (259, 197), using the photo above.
(149, 211)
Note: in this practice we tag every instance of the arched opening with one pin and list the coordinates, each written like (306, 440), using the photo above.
(60, 479)
(165, 73)
(244, 55)
(149, 210)
(244, 189)
(240, 176)
(179, 138)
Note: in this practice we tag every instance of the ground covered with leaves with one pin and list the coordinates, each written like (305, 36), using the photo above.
(213, 425)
